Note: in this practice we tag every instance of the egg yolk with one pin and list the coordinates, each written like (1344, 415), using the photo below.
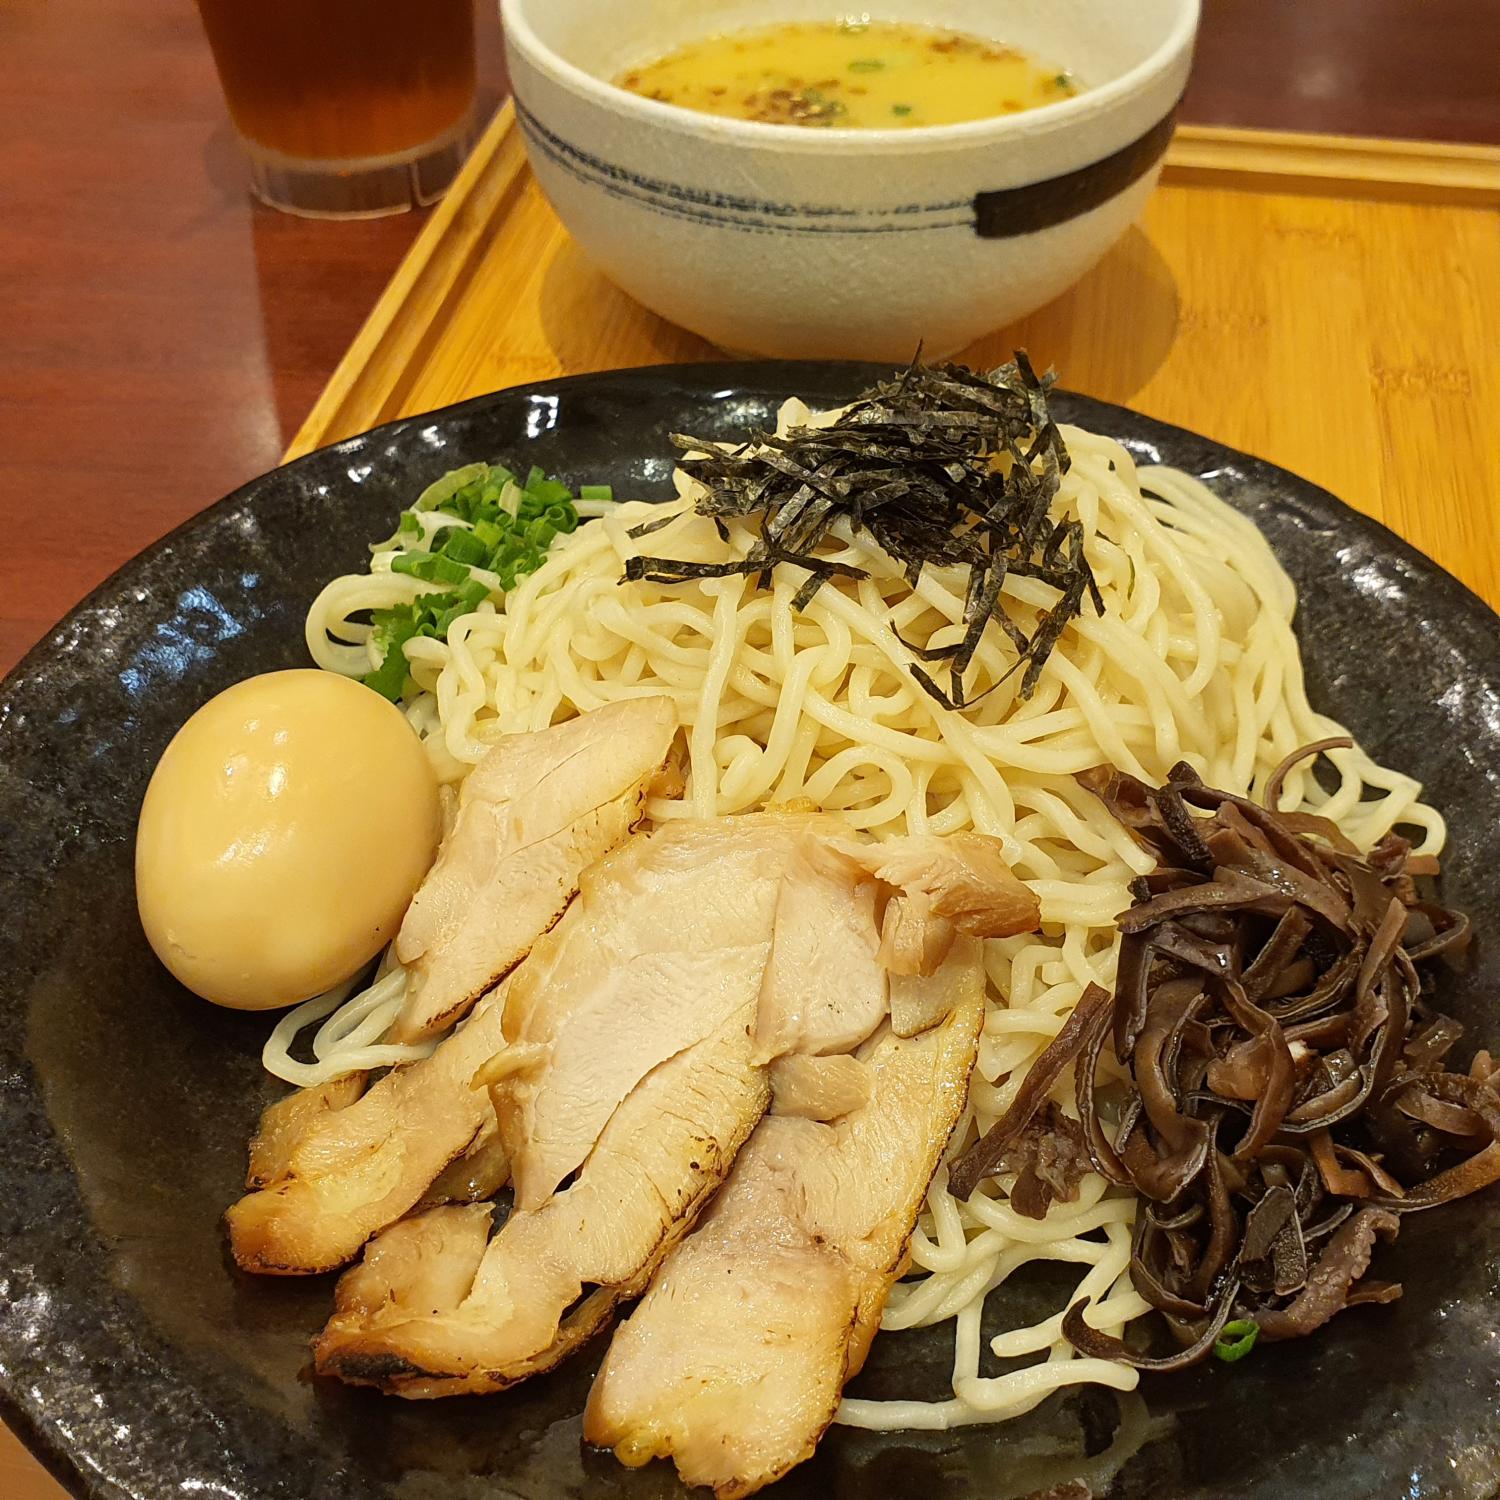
(282, 836)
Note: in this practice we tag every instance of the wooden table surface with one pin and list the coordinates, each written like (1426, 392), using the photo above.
(161, 338)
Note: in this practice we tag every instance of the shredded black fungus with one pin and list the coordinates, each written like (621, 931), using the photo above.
(941, 466)
(1287, 1098)
(994, 1151)
(1049, 1160)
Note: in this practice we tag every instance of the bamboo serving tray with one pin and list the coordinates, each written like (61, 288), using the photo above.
(1330, 304)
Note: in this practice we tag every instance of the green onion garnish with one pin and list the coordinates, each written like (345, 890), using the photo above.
(867, 65)
(1236, 1340)
(465, 547)
(430, 567)
(503, 529)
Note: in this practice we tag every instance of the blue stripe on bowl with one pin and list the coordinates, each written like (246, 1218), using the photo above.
(730, 210)
(999, 214)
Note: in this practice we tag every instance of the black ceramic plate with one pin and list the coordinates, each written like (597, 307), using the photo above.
(139, 1364)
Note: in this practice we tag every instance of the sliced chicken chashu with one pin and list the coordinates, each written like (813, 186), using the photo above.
(532, 814)
(439, 1308)
(286, 1123)
(734, 1363)
(477, 1175)
(922, 1000)
(824, 989)
(628, 1061)
(960, 877)
(832, 976)
(353, 1170)
(818, 1088)
(944, 886)
(666, 942)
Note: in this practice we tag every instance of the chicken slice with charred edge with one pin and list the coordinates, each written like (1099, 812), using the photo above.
(734, 1363)
(668, 939)
(285, 1123)
(628, 1061)
(351, 1171)
(438, 1308)
(535, 812)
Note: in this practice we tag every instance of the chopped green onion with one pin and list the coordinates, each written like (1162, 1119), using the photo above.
(472, 594)
(467, 601)
(466, 548)
(507, 526)
(430, 567)
(900, 109)
(1236, 1340)
(389, 678)
(867, 65)
(549, 490)
(435, 496)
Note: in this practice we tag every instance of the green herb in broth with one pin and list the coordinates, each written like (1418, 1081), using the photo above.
(868, 75)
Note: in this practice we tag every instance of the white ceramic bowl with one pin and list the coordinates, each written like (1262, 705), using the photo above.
(811, 243)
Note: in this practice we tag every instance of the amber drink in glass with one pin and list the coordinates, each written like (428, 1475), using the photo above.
(347, 107)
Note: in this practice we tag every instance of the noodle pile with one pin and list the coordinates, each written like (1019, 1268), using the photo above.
(1193, 658)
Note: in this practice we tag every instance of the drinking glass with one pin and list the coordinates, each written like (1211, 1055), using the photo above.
(347, 108)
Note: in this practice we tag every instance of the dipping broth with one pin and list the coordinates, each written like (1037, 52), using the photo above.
(861, 75)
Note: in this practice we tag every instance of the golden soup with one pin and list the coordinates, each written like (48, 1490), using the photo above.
(862, 75)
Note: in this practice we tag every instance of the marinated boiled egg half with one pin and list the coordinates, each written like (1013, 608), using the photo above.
(283, 833)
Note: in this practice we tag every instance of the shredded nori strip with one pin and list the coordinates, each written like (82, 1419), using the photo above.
(942, 466)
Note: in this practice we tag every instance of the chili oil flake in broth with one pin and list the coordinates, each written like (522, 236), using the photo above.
(862, 75)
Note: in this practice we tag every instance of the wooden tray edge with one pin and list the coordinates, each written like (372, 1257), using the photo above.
(1347, 166)
(380, 362)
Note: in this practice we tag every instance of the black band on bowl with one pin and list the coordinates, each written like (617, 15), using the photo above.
(1006, 212)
